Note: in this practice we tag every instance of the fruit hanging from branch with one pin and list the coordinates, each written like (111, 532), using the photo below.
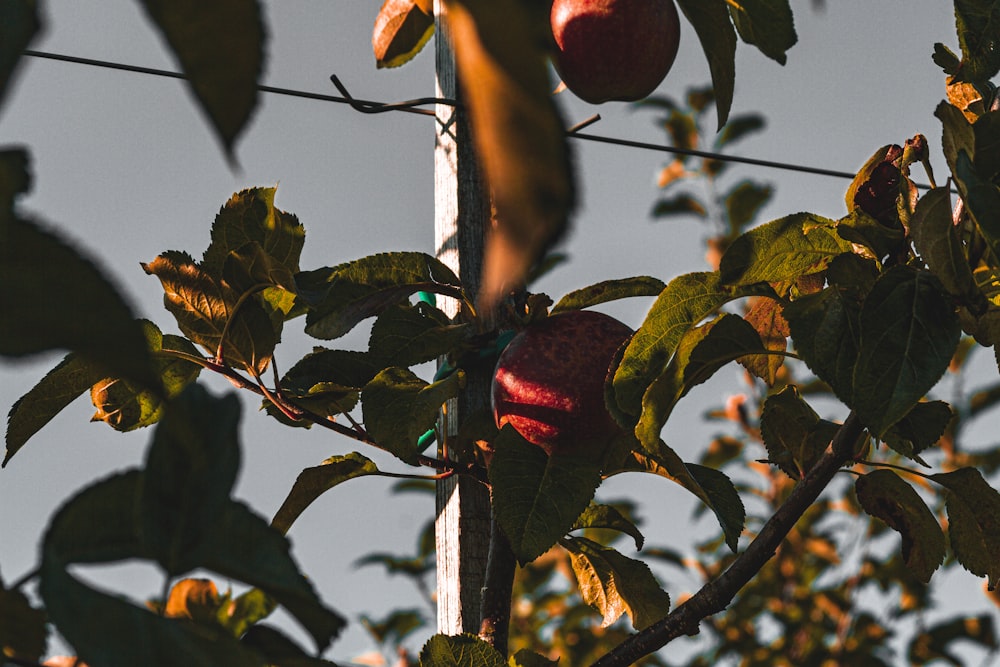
(614, 49)
(549, 381)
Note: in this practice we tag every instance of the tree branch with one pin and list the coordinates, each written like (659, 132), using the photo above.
(497, 590)
(716, 595)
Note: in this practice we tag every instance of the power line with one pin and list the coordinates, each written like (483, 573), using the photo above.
(411, 106)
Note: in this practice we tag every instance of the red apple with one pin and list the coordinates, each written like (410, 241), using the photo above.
(549, 381)
(614, 49)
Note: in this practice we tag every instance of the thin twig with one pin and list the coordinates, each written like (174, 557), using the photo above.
(716, 595)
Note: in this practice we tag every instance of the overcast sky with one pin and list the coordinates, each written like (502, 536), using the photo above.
(125, 165)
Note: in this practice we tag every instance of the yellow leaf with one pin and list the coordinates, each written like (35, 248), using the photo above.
(402, 28)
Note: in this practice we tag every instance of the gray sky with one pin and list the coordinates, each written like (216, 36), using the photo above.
(125, 165)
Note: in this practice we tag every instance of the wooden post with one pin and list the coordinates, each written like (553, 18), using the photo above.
(462, 527)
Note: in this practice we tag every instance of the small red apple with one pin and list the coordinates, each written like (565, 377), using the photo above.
(549, 381)
(614, 49)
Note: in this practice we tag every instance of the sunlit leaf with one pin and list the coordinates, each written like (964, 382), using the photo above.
(767, 24)
(220, 46)
(978, 25)
(718, 40)
(402, 28)
(239, 614)
(765, 316)
(615, 585)
(19, 23)
(518, 133)
(973, 522)
(609, 290)
(701, 352)
(313, 482)
(884, 495)
(191, 467)
(782, 249)
(344, 295)
(687, 300)
(459, 651)
(196, 599)
(60, 387)
(537, 498)
(909, 331)
(63, 301)
(399, 407)
(606, 516)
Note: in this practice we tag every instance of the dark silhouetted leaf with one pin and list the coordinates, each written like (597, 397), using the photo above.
(909, 331)
(767, 24)
(887, 497)
(609, 290)
(794, 435)
(973, 522)
(606, 516)
(220, 46)
(344, 295)
(398, 407)
(538, 498)
(687, 300)
(937, 241)
(744, 201)
(783, 249)
(679, 204)
(526, 658)
(518, 132)
(191, 467)
(60, 387)
(957, 133)
(459, 651)
(326, 382)
(946, 59)
(701, 352)
(19, 23)
(982, 200)
(313, 482)
(933, 644)
(738, 127)
(402, 28)
(395, 627)
(921, 428)
(65, 302)
(23, 632)
(987, 132)
(860, 228)
(718, 40)
(405, 335)
(616, 585)
(978, 25)
(279, 649)
(15, 178)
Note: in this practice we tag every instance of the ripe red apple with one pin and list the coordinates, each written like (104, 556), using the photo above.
(614, 49)
(549, 381)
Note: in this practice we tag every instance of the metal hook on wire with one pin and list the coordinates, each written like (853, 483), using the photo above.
(366, 106)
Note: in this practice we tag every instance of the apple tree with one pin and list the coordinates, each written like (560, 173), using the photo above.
(872, 309)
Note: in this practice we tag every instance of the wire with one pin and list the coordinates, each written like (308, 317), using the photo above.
(369, 106)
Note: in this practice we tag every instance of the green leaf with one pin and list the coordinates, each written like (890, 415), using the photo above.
(687, 300)
(825, 327)
(394, 628)
(718, 40)
(744, 201)
(781, 250)
(932, 645)
(936, 239)
(212, 314)
(402, 28)
(609, 290)
(860, 228)
(537, 499)
(701, 352)
(19, 24)
(794, 435)
(246, 610)
(987, 132)
(767, 24)
(459, 651)
(982, 200)
(399, 407)
(957, 133)
(245, 547)
(946, 59)
(679, 204)
(344, 295)
(64, 301)
(606, 516)
(909, 332)
(885, 496)
(526, 658)
(125, 406)
(405, 335)
(500, 44)
(314, 482)
(718, 493)
(279, 649)
(60, 387)
(23, 631)
(973, 522)
(615, 585)
(327, 382)
(220, 46)
(921, 428)
(191, 468)
(978, 26)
